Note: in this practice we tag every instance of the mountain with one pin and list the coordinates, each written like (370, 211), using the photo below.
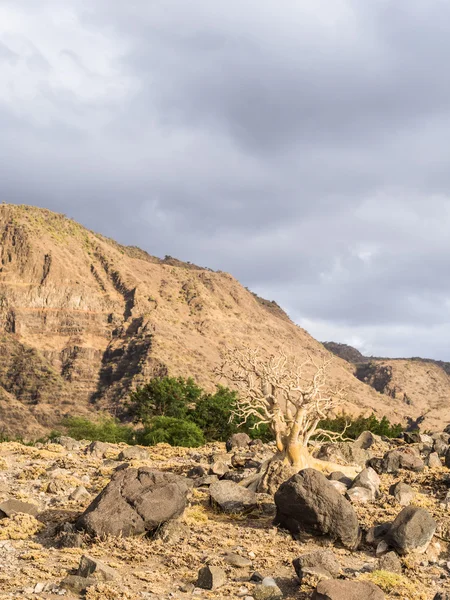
(423, 384)
(83, 320)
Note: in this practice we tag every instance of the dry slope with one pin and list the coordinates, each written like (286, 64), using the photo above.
(83, 320)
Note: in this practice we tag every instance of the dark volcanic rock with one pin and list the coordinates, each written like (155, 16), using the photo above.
(308, 503)
(411, 531)
(322, 563)
(135, 501)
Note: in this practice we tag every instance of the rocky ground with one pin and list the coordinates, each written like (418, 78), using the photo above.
(46, 552)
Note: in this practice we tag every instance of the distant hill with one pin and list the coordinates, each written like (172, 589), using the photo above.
(420, 383)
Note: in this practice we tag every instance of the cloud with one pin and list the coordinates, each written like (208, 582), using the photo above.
(300, 146)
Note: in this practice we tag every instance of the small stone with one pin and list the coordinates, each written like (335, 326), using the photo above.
(232, 498)
(243, 591)
(39, 587)
(256, 577)
(268, 590)
(219, 468)
(433, 461)
(320, 564)
(91, 566)
(77, 584)
(13, 507)
(340, 589)
(235, 560)
(381, 548)
(80, 493)
(211, 578)
(390, 562)
(339, 486)
(402, 492)
(359, 495)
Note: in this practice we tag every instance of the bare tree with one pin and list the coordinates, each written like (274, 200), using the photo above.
(291, 398)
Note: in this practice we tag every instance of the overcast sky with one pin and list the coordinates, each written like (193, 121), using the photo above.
(301, 145)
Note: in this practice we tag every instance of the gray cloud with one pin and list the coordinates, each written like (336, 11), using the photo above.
(300, 146)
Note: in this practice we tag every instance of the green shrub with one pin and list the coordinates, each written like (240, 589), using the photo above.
(175, 432)
(163, 397)
(360, 424)
(105, 429)
(212, 414)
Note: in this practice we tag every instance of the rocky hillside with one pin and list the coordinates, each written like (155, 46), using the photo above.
(421, 384)
(102, 522)
(83, 320)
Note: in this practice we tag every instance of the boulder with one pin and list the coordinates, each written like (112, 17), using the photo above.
(232, 498)
(135, 501)
(442, 596)
(308, 503)
(321, 563)
(238, 440)
(411, 531)
(447, 458)
(340, 589)
(402, 492)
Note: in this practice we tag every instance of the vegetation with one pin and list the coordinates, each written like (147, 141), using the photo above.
(176, 432)
(164, 397)
(354, 427)
(177, 411)
(106, 429)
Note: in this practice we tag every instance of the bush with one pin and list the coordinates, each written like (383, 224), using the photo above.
(105, 429)
(175, 432)
(163, 397)
(360, 424)
(212, 414)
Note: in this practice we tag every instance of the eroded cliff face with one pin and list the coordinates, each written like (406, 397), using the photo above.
(83, 320)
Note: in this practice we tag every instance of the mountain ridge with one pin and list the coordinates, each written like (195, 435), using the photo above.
(84, 320)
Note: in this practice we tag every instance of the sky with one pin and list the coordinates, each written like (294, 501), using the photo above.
(300, 145)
